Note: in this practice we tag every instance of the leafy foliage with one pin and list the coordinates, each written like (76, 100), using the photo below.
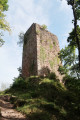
(71, 39)
(44, 27)
(21, 39)
(4, 5)
(67, 55)
(72, 84)
(70, 61)
(48, 99)
(74, 36)
(1, 40)
(63, 70)
(52, 76)
(76, 4)
(3, 23)
(19, 83)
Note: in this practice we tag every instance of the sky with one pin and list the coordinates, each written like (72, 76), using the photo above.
(56, 14)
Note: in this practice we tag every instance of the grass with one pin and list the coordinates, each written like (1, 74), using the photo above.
(44, 99)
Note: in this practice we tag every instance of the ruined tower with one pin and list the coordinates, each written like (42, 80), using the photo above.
(40, 52)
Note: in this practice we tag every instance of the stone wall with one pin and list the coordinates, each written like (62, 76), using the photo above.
(40, 52)
(47, 52)
(29, 61)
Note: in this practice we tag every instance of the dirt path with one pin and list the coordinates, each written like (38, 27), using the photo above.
(7, 111)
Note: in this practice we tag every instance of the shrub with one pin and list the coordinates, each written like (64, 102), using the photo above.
(72, 83)
(62, 70)
(52, 76)
(19, 83)
(40, 116)
(44, 27)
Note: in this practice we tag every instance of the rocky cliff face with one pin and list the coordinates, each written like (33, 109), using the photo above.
(40, 52)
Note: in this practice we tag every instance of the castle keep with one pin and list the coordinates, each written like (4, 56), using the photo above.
(40, 52)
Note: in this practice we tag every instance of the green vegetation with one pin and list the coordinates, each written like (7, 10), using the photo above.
(42, 54)
(74, 36)
(51, 62)
(46, 98)
(54, 43)
(21, 39)
(44, 27)
(3, 23)
(62, 70)
(37, 32)
(70, 59)
(57, 59)
(41, 41)
(51, 46)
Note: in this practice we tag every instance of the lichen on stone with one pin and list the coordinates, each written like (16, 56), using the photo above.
(42, 53)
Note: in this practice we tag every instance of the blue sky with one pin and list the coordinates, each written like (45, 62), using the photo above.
(56, 14)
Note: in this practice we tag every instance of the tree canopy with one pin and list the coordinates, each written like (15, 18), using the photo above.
(75, 34)
(71, 60)
(3, 23)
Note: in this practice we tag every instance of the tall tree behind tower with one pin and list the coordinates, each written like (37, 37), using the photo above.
(76, 13)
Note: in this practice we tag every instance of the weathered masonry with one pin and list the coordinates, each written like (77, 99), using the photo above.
(40, 52)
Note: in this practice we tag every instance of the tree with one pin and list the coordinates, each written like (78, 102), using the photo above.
(70, 61)
(76, 13)
(21, 39)
(3, 23)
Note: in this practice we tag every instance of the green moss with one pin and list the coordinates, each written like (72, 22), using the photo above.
(51, 62)
(2, 93)
(54, 43)
(37, 32)
(63, 111)
(51, 46)
(41, 41)
(57, 59)
(29, 108)
(49, 41)
(44, 27)
(42, 54)
(48, 99)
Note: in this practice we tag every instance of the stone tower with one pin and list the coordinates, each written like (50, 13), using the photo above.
(40, 52)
